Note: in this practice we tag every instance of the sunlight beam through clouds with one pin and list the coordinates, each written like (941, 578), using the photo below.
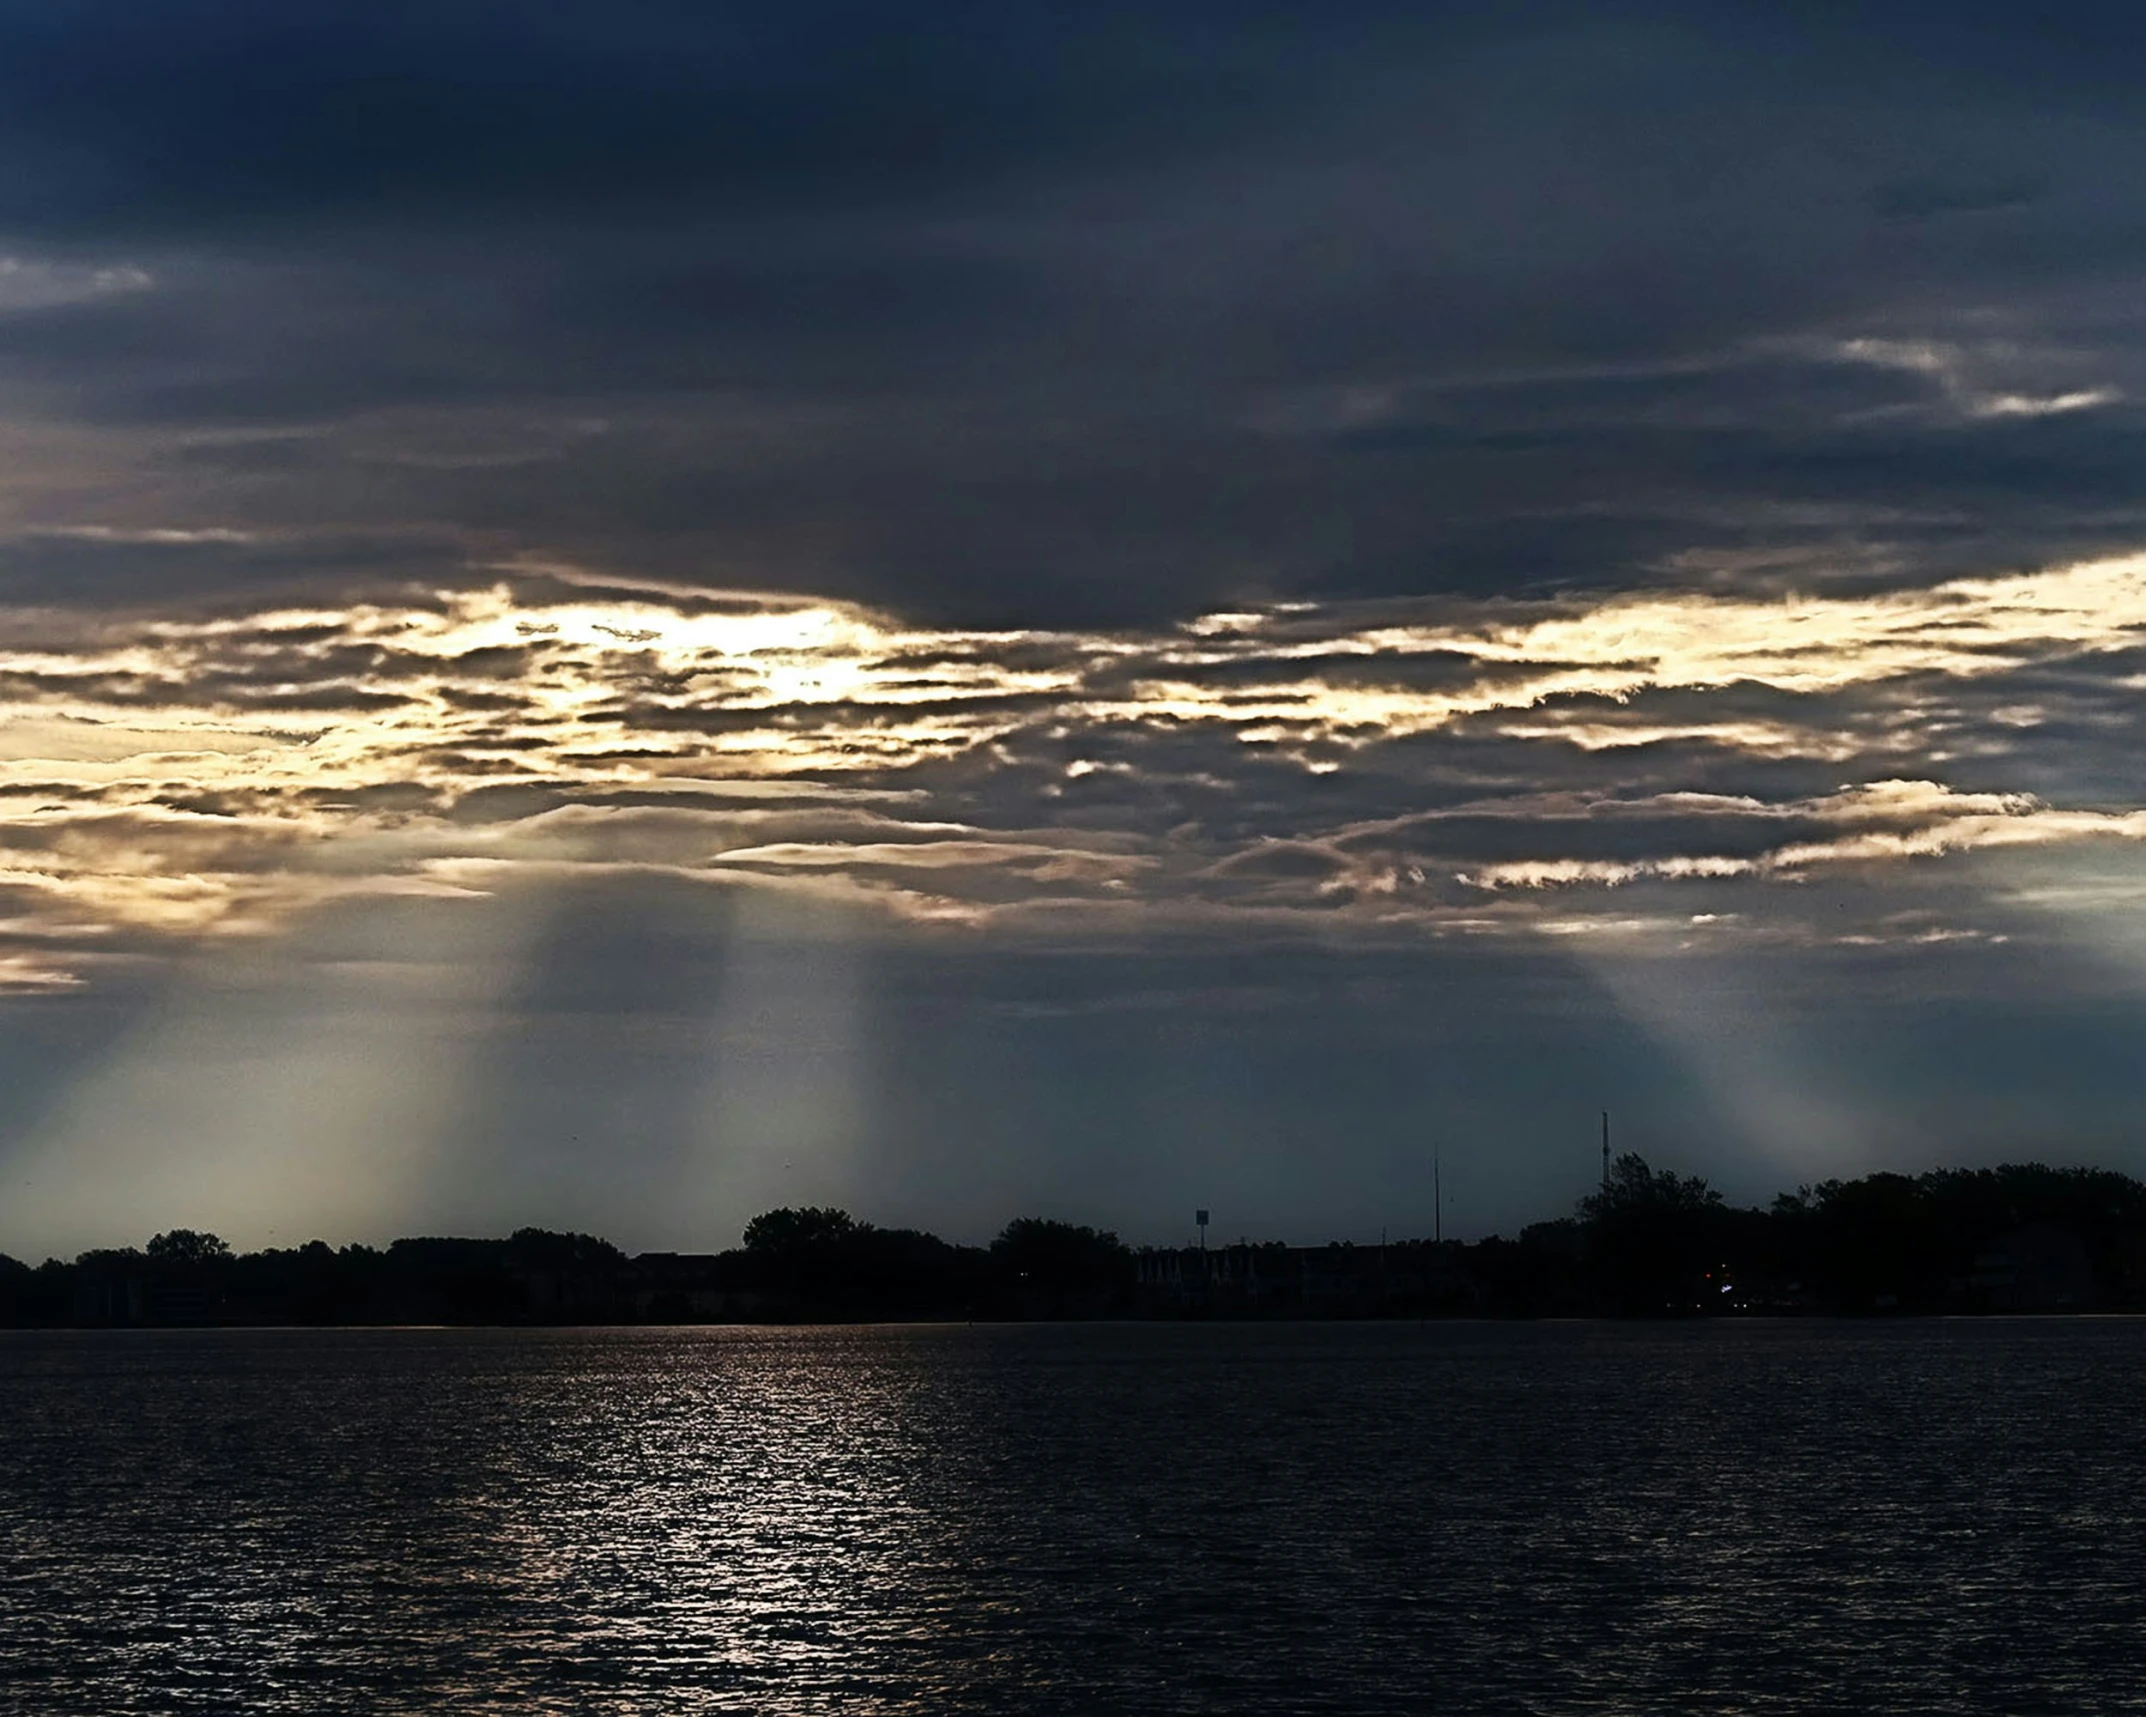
(784, 1085)
(1747, 1048)
(319, 1083)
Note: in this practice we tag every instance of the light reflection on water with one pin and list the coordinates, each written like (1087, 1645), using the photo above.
(1906, 1517)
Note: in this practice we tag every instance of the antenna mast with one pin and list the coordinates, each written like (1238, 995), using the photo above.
(1605, 1150)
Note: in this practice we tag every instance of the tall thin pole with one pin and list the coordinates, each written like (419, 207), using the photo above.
(1438, 1203)
(1605, 1150)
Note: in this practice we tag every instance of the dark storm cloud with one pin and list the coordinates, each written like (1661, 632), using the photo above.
(227, 114)
(1011, 314)
(160, 569)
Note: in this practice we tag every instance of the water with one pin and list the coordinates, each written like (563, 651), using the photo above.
(1924, 1517)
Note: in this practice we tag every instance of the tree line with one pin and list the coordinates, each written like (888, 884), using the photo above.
(808, 1264)
(2022, 1237)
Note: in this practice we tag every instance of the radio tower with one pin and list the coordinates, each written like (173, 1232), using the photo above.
(1605, 1150)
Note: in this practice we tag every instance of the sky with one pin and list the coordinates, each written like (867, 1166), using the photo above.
(616, 615)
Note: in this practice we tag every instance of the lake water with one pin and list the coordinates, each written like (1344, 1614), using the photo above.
(1802, 1517)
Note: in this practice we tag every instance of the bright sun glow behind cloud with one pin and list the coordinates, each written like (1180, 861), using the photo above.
(169, 779)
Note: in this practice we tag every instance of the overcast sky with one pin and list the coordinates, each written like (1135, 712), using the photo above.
(613, 615)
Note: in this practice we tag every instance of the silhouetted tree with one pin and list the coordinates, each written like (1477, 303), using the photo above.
(789, 1231)
(541, 1249)
(1917, 1242)
(806, 1257)
(17, 1291)
(1876, 1243)
(1057, 1268)
(1543, 1272)
(1652, 1238)
(185, 1249)
(445, 1278)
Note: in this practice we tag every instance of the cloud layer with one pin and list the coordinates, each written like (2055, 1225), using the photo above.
(1481, 768)
(1006, 317)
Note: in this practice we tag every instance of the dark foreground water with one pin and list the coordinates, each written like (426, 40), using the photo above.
(1917, 1517)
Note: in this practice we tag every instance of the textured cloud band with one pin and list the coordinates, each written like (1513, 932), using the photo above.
(1481, 768)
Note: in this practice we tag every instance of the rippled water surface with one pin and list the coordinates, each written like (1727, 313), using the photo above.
(1464, 1518)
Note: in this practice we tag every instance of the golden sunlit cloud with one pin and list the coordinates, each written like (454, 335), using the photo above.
(167, 779)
